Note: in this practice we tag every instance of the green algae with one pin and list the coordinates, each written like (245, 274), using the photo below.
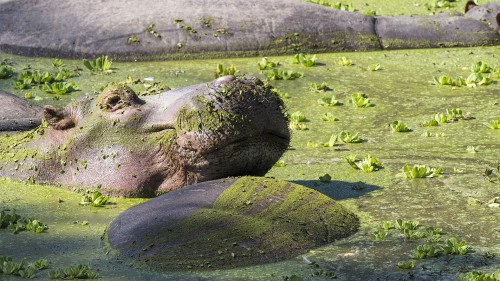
(396, 8)
(400, 91)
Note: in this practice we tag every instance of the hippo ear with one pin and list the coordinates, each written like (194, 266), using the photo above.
(58, 118)
(470, 5)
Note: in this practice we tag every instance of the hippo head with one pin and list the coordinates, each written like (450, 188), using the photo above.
(488, 13)
(143, 146)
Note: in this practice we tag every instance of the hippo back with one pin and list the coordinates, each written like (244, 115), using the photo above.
(17, 114)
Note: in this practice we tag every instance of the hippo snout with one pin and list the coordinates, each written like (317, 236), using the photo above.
(237, 126)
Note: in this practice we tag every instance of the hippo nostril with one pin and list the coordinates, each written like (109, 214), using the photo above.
(113, 101)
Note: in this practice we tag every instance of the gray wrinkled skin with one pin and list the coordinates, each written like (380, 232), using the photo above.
(202, 29)
(17, 114)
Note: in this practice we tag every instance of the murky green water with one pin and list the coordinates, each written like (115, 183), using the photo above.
(400, 91)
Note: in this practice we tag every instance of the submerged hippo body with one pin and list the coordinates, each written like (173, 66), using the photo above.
(143, 146)
(17, 114)
(202, 29)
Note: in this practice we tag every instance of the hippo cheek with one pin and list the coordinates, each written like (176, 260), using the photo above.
(248, 156)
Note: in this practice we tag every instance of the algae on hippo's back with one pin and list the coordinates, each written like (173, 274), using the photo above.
(249, 221)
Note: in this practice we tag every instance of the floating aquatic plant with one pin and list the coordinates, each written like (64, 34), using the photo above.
(343, 61)
(297, 126)
(280, 163)
(95, 199)
(367, 164)
(323, 87)
(223, 70)
(99, 65)
(58, 88)
(425, 251)
(328, 116)
(479, 276)
(492, 175)
(64, 74)
(343, 7)
(454, 114)
(406, 264)
(280, 93)
(420, 171)
(446, 80)
(347, 137)
(398, 126)
(297, 116)
(304, 60)
(439, 4)
(477, 79)
(17, 223)
(266, 64)
(481, 67)
(472, 149)
(360, 100)
(276, 74)
(77, 271)
(329, 101)
(380, 235)
(374, 67)
(6, 71)
(453, 247)
(57, 63)
(493, 124)
(437, 119)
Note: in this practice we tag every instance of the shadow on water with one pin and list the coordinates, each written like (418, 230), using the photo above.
(339, 190)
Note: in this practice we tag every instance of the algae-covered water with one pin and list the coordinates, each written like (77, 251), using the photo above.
(456, 201)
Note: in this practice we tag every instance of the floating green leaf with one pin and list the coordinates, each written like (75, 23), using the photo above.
(360, 100)
(407, 264)
(493, 124)
(304, 60)
(6, 71)
(275, 74)
(420, 171)
(223, 70)
(96, 199)
(329, 101)
(367, 164)
(374, 67)
(328, 116)
(266, 64)
(347, 137)
(345, 61)
(99, 65)
(398, 126)
(323, 87)
(58, 88)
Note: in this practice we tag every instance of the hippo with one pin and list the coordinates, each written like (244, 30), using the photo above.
(144, 146)
(228, 223)
(488, 13)
(18, 114)
(190, 29)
